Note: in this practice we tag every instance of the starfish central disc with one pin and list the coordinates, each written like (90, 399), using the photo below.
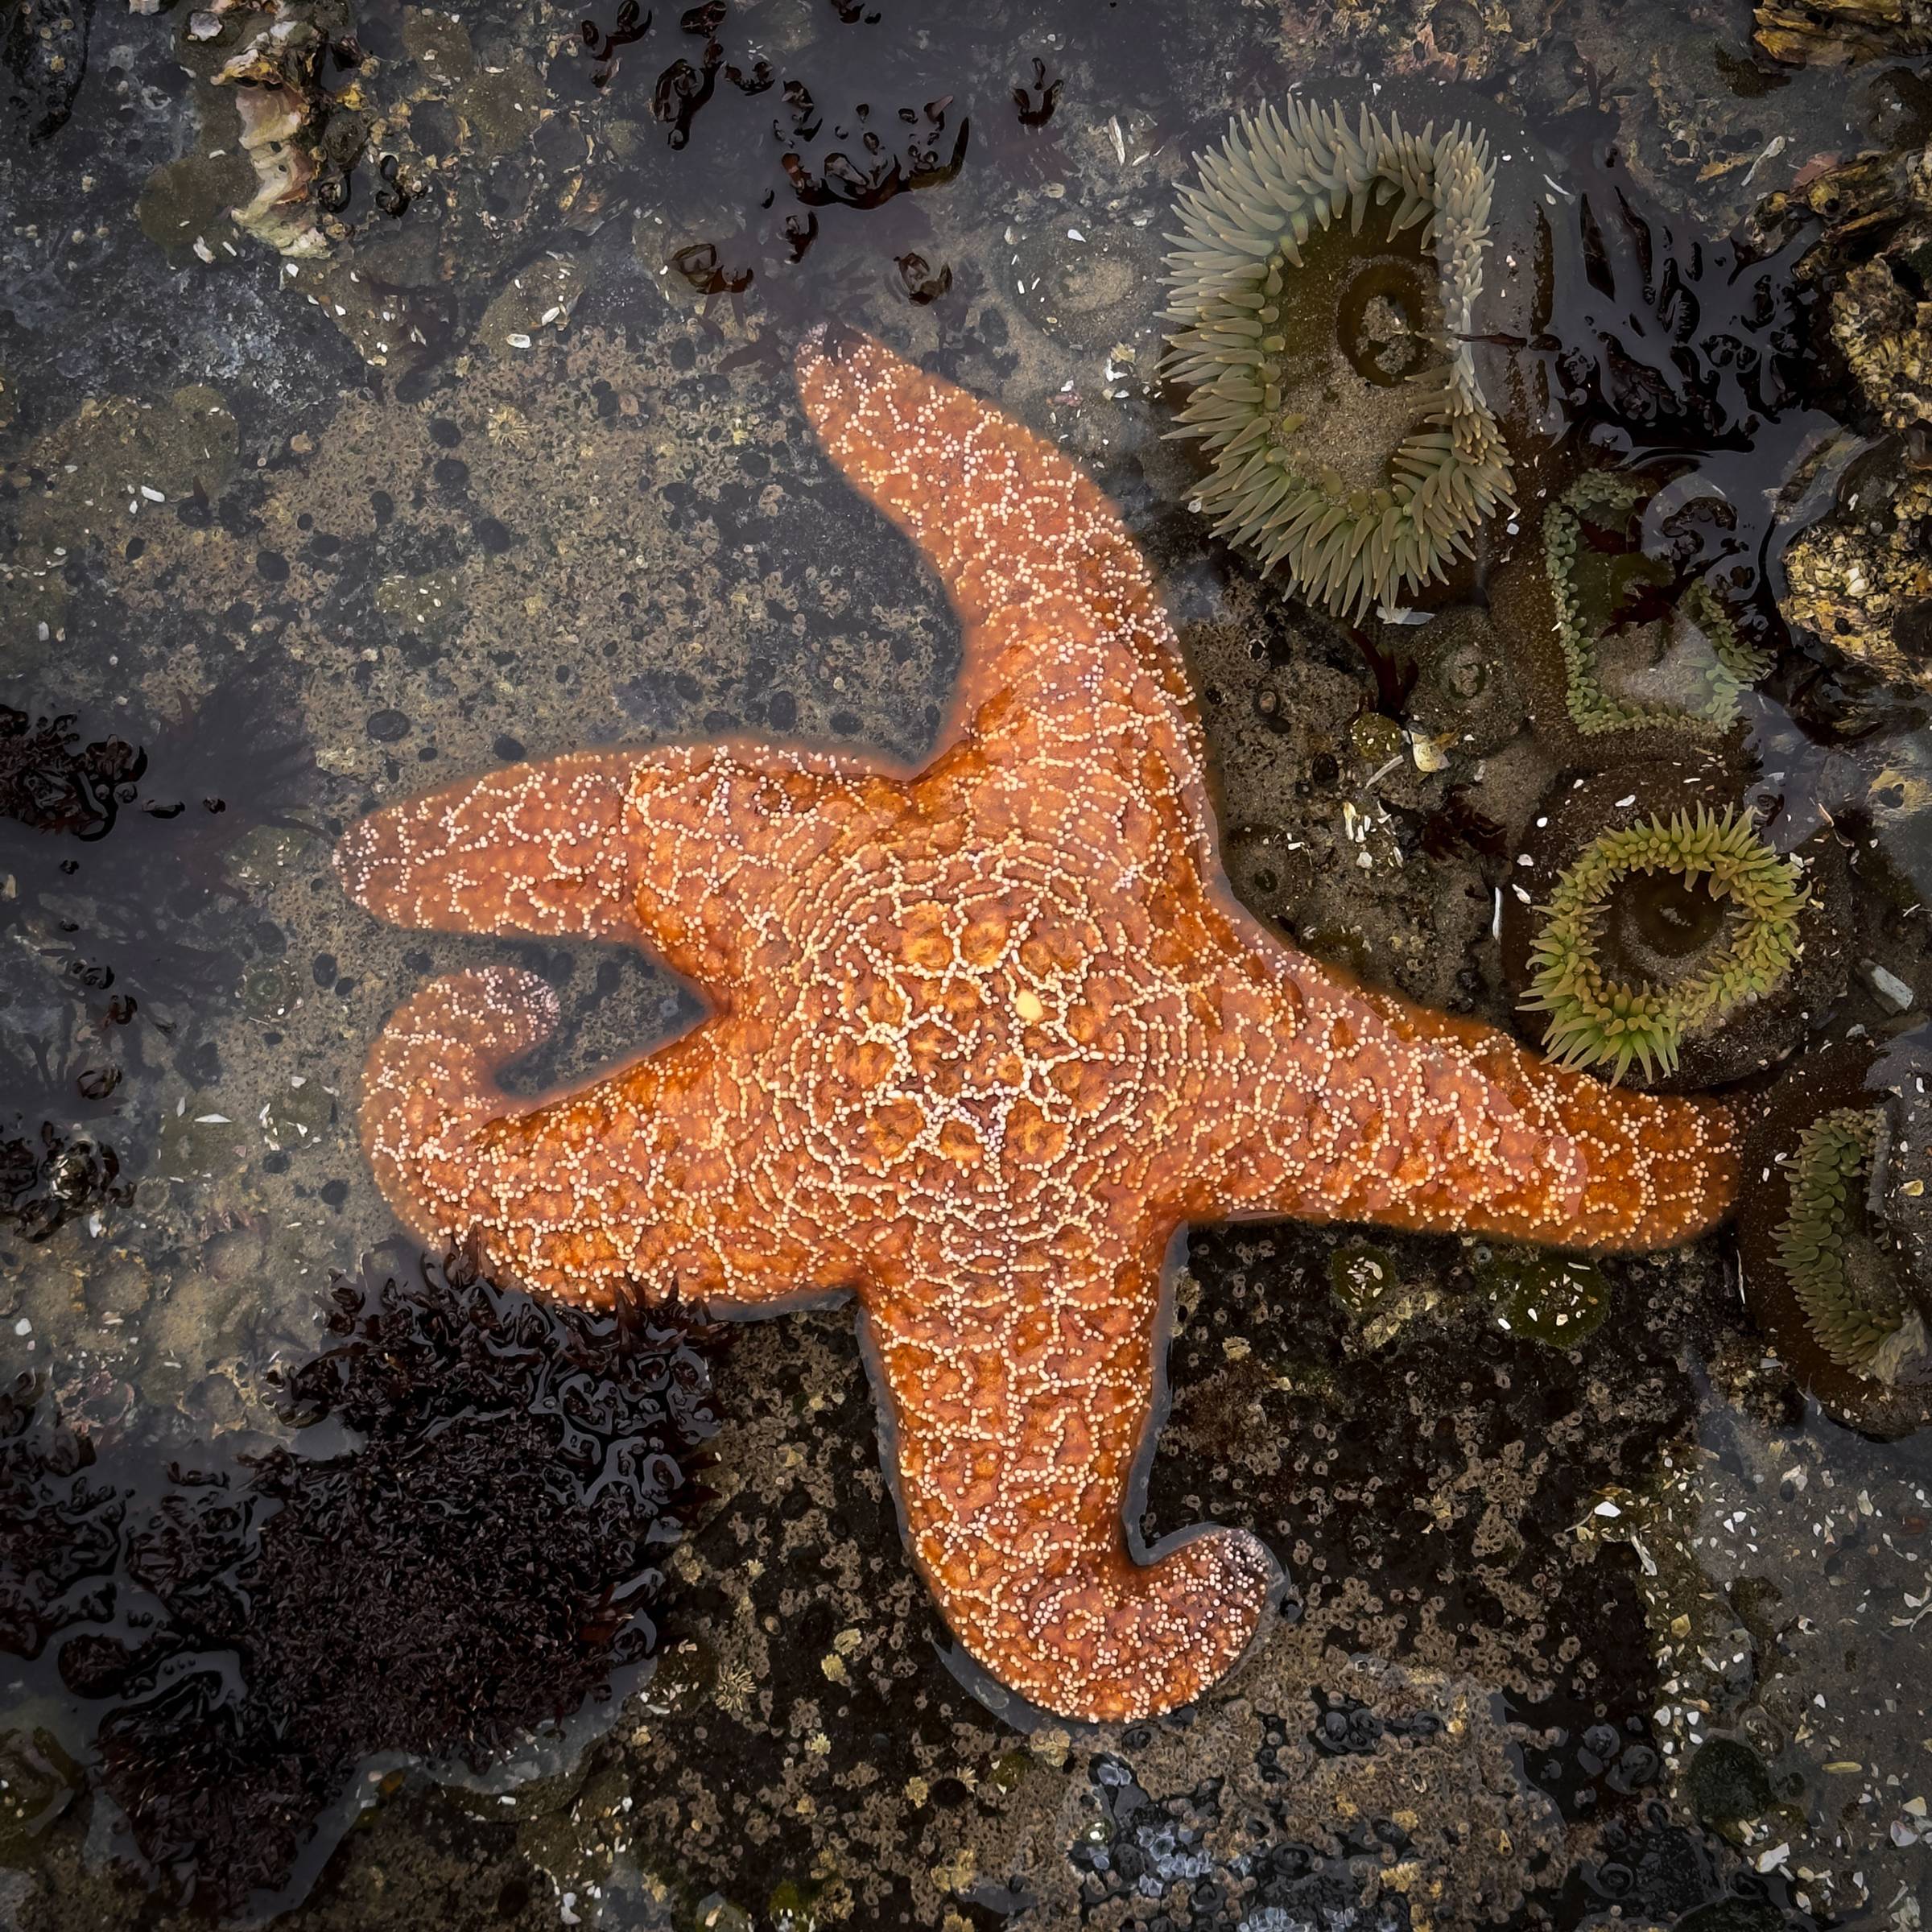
(983, 1035)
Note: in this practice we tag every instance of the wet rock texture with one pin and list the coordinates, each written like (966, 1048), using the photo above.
(1837, 30)
(1862, 580)
(430, 411)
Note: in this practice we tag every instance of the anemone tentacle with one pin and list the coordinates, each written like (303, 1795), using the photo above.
(1877, 1335)
(1597, 1021)
(1593, 709)
(1278, 179)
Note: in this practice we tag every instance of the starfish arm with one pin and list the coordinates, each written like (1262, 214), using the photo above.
(673, 846)
(1347, 1105)
(1017, 1419)
(1067, 646)
(664, 1177)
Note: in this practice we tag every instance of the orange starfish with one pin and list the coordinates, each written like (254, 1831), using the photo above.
(983, 1036)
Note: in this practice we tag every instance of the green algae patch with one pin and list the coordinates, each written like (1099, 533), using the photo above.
(1368, 1282)
(183, 206)
(500, 108)
(1361, 1275)
(431, 606)
(118, 459)
(1727, 1783)
(1558, 1300)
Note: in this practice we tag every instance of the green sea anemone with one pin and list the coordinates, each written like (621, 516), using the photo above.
(1859, 1314)
(1597, 1020)
(1331, 380)
(1832, 1229)
(1701, 663)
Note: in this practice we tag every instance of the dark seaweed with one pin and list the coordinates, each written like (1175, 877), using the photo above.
(1666, 339)
(48, 1179)
(117, 854)
(1684, 354)
(51, 781)
(1037, 101)
(482, 1559)
(1459, 825)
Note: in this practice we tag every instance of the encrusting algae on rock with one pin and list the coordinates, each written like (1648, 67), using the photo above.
(1332, 384)
(983, 1035)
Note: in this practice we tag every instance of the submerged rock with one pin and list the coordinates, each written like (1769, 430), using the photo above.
(1861, 581)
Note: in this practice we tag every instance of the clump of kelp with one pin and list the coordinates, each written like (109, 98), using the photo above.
(48, 1179)
(474, 1553)
(51, 781)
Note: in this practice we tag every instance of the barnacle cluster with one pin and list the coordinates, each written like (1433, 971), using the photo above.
(1597, 1019)
(281, 103)
(1830, 32)
(1331, 383)
(1883, 329)
(1862, 579)
(1703, 662)
(1862, 1322)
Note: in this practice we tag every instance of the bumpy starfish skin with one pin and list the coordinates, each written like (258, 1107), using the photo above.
(982, 1037)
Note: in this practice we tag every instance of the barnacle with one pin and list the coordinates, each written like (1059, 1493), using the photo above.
(1860, 1316)
(1331, 382)
(1598, 1019)
(1860, 579)
(1704, 662)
